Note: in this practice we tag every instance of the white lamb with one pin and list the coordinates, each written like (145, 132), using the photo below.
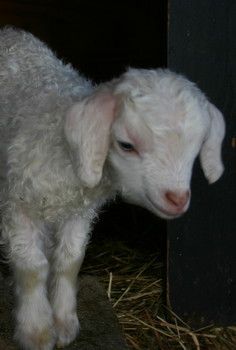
(67, 147)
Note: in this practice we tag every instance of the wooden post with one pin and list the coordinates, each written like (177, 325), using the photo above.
(202, 244)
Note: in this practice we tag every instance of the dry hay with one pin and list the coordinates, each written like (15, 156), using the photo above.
(135, 288)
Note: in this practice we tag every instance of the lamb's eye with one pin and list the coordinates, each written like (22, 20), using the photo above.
(126, 146)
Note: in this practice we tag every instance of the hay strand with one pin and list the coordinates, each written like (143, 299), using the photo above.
(134, 286)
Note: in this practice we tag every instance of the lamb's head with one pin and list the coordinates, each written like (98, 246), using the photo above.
(148, 126)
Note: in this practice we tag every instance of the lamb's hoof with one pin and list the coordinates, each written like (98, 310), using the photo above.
(67, 329)
(36, 340)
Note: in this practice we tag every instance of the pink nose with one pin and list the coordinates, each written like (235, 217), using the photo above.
(177, 199)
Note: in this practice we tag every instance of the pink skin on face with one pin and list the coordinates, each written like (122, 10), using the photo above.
(139, 145)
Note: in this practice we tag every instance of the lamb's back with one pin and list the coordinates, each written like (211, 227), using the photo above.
(28, 68)
(36, 88)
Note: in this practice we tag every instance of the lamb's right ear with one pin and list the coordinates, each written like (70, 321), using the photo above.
(87, 129)
(210, 154)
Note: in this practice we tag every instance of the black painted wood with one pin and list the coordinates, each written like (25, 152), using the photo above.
(202, 244)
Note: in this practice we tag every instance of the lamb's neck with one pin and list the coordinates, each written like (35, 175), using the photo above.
(109, 181)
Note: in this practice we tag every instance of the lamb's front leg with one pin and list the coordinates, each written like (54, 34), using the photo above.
(68, 257)
(34, 328)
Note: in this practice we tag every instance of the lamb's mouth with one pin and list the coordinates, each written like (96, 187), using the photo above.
(157, 209)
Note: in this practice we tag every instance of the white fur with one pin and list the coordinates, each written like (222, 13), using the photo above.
(68, 256)
(61, 160)
(35, 327)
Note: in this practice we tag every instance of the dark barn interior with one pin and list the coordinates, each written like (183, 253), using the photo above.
(101, 39)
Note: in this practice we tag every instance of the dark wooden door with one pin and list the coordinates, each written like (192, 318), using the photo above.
(202, 245)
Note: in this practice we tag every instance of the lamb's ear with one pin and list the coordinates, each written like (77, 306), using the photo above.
(210, 155)
(87, 129)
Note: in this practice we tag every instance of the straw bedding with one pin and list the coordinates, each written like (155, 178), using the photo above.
(134, 283)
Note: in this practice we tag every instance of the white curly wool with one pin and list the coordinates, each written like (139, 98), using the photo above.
(67, 147)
